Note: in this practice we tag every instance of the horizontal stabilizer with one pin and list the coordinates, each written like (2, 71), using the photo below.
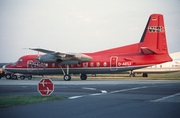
(146, 50)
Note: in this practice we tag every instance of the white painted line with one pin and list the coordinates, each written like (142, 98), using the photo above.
(74, 97)
(95, 94)
(118, 91)
(89, 88)
(167, 97)
(103, 91)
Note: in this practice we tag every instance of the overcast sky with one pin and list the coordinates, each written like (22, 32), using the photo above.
(80, 25)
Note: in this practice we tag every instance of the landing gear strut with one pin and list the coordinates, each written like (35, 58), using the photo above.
(131, 74)
(67, 76)
(144, 75)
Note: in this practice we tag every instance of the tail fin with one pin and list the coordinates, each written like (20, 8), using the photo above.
(153, 39)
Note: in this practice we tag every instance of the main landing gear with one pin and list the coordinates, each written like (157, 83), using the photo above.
(67, 76)
(83, 76)
(131, 74)
(144, 75)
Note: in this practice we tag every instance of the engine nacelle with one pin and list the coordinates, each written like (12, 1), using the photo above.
(47, 58)
(83, 57)
(72, 59)
(70, 62)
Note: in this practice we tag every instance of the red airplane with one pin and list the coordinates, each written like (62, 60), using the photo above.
(152, 49)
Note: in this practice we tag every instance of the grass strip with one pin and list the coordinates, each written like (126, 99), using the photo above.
(15, 100)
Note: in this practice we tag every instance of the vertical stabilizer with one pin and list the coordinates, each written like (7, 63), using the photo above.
(153, 39)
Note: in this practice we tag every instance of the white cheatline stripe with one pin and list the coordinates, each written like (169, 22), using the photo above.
(167, 97)
(118, 91)
(74, 97)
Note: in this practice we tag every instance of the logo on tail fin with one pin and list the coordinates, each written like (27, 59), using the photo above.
(156, 29)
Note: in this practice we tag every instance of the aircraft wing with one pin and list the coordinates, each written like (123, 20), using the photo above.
(54, 56)
(50, 52)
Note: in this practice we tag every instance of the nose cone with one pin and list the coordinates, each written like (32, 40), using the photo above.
(3, 68)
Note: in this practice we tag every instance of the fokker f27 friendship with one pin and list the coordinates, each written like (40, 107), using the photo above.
(152, 49)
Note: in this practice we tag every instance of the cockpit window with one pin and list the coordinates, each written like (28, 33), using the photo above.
(20, 60)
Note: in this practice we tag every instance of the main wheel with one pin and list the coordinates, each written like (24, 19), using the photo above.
(144, 75)
(132, 75)
(83, 76)
(29, 77)
(22, 77)
(67, 77)
(14, 77)
(8, 76)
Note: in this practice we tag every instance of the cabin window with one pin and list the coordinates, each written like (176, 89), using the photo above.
(105, 64)
(85, 64)
(119, 63)
(53, 65)
(91, 64)
(59, 64)
(160, 66)
(20, 60)
(46, 65)
(97, 64)
(78, 65)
